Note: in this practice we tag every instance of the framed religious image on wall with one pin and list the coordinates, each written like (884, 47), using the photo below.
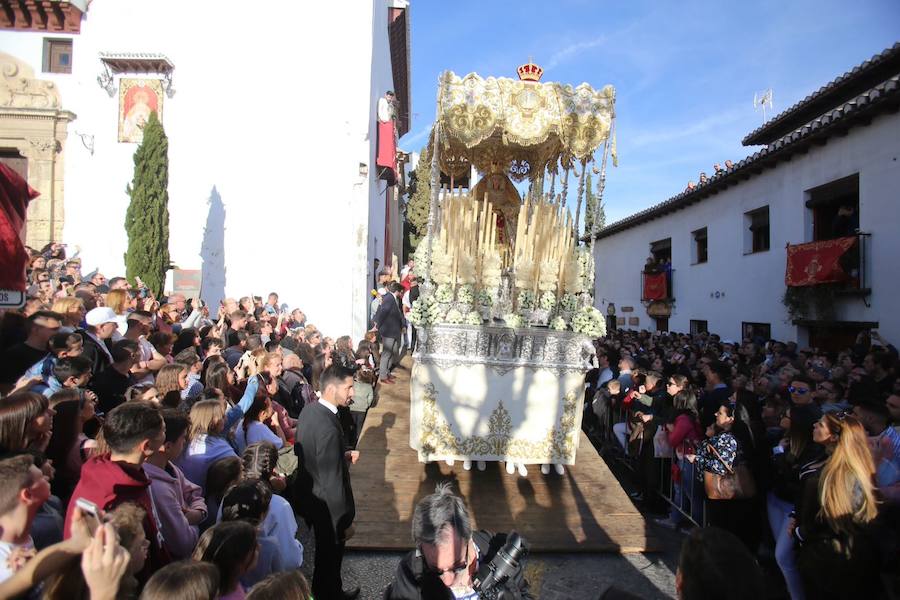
(137, 99)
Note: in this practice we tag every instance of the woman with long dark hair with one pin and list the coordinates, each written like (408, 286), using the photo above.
(73, 409)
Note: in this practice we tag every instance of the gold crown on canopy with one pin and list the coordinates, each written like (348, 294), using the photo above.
(530, 72)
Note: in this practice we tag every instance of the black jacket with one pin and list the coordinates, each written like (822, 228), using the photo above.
(324, 494)
(410, 583)
(294, 392)
(389, 319)
(92, 351)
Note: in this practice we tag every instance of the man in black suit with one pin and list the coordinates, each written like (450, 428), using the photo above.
(101, 324)
(323, 489)
(390, 323)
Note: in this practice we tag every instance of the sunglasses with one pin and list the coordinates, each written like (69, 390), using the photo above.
(798, 390)
(455, 569)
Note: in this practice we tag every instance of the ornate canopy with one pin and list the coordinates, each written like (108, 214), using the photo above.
(495, 121)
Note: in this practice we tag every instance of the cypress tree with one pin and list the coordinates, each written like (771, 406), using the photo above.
(147, 219)
(420, 201)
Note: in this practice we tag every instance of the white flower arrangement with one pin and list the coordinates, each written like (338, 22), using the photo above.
(568, 303)
(485, 298)
(473, 318)
(559, 324)
(422, 264)
(526, 300)
(547, 301)
(465, 294)
(586, 268)
(441, 265)
(424, 312)
(444, 294)
(589, 321)
(454, 317)
(549, 276)
(512, 320)
(491, 271)
(524, 273)
(465, 272)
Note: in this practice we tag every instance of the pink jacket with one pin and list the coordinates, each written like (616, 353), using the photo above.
(172, 494)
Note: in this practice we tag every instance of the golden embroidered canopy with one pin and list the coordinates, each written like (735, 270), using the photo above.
(496, 121)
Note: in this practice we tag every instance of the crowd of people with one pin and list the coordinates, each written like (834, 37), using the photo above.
(152, 449)
(162, 445)
(795, 451)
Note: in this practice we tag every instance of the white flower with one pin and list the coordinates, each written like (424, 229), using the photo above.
(559, 324)
(524, 273)
(453, 317)
(512, 320)
(473, 318)
(589, 321)
(444, 293)
(526, 300)
(568, 303)
(424, 312)
(465, 294)
(485, 298)
(547, 301)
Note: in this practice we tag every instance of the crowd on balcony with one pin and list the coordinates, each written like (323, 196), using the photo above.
(796, 451)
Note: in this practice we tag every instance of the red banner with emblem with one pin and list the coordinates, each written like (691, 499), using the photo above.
(817, 262)
(655, 286)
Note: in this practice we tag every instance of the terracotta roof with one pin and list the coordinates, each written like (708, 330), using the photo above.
(860, 110)
(840, 90)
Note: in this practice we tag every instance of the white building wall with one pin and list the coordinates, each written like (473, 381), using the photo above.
(274, 110)
(750, 286)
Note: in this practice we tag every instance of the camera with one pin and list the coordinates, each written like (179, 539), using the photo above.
(507, 564)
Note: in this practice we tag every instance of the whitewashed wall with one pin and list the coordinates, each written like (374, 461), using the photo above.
(751, 286)
(273, 110)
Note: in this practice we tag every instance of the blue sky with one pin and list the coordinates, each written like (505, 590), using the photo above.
(685, 72)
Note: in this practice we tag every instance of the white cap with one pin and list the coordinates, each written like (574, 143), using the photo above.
(100, 315)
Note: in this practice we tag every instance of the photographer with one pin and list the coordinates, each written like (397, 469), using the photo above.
(449, 557)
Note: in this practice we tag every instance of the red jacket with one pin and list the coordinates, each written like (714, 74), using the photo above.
(108, 484)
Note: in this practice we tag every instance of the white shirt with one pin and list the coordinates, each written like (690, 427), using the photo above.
(385, 111)
(14, 556)
(330, 406)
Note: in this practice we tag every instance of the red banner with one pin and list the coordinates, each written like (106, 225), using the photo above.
(15, 193)
(817, 262)
(387, 147)
(655, 286)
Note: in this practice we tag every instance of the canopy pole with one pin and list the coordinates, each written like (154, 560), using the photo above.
(565, 186)
(601, 185)
(580, 196)
(553, 183)
(433, 205)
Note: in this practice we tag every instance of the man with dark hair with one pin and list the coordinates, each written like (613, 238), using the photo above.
(134, 431)
(190, 359)
(62, 345)
(42, 326)
(717, 391)
(119, 283)
(323, 491)
(448, 554)
(72, 372)
(111, 384)
(716, 565)
(236, 349)
(390, 323)
(885, 443)
(211, 346)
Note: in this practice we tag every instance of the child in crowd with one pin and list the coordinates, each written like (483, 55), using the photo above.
(62, 345)
(249, 501)
(180, 505)
(279, 524)
(233, 548)
(23, 492)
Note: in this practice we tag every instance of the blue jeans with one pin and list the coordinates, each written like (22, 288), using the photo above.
(779, 511)
(686, 494)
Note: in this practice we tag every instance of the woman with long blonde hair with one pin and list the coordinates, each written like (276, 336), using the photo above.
(836, 513)
(118, 301)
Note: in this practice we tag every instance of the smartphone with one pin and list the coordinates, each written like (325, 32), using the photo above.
(91, 514)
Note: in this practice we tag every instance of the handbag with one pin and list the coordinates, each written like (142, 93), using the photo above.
(661, 447)
(737, 483)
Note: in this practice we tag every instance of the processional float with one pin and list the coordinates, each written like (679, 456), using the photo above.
(506, 315)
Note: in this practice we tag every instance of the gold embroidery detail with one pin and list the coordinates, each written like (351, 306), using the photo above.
(437, 438)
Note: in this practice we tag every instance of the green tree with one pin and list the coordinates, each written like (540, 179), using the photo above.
(420, 199)
(147, 218)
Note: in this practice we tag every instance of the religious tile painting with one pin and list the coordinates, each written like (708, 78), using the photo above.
(137, 99)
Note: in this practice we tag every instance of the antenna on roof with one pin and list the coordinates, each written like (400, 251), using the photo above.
(761, 100)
